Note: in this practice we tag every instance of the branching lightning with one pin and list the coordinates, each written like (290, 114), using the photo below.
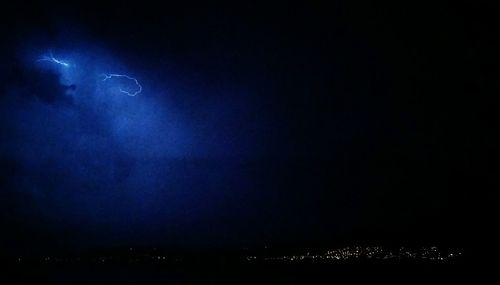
(126, 90)
(139, 87)
(51, 58)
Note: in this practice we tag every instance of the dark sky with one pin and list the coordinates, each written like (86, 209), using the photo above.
(319, 124)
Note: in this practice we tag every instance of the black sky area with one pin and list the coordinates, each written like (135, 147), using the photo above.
(372, 123)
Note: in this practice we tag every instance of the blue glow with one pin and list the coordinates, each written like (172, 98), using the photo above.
(155, 154)
(112, 75)
(51, 58)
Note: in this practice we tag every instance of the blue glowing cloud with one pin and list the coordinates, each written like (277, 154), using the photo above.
(81, 149)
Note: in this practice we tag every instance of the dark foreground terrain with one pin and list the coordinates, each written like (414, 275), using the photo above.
(231, 274)
(131, 265)
(234, 272)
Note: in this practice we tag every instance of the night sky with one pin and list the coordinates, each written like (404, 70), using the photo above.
(314, 125)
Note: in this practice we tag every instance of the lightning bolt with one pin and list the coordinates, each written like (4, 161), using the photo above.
(51, 58)
(139, 87)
